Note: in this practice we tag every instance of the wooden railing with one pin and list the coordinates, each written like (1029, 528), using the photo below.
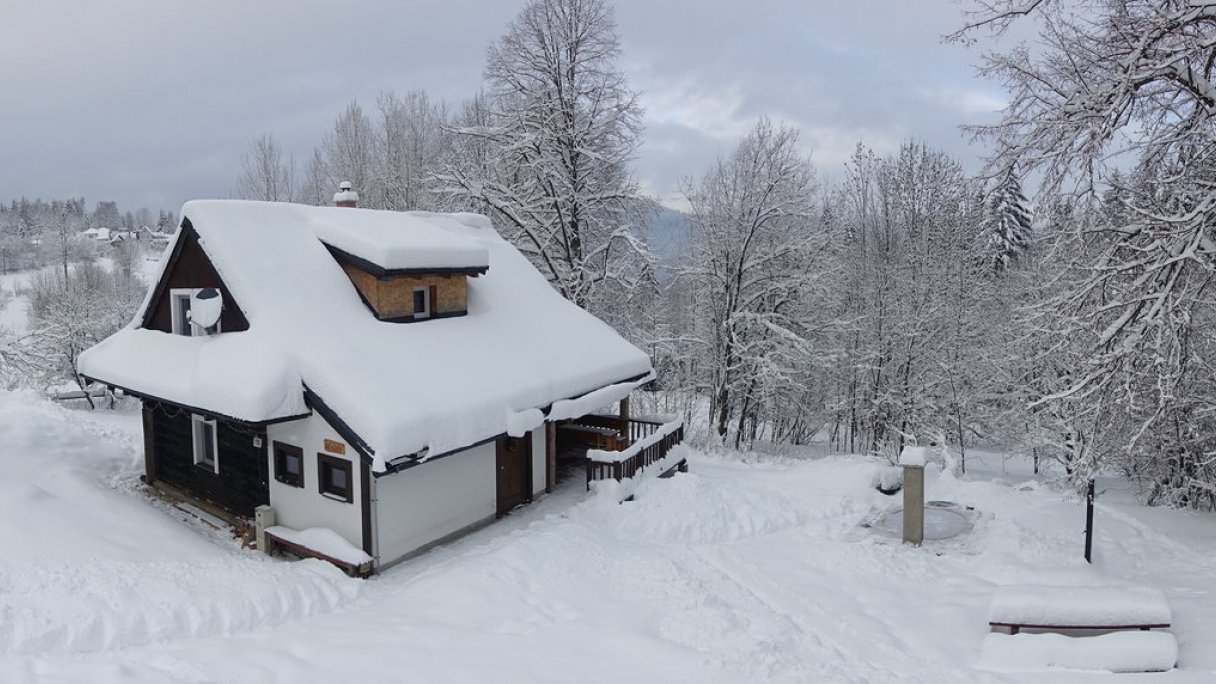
(651, 447)
(633, 429)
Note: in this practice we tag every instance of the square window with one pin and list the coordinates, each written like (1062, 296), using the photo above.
(333, 474)
(422, 302)
(289, 464)
(206, 449)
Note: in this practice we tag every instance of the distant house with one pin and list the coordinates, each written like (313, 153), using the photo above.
(97, 234)
(393, 378)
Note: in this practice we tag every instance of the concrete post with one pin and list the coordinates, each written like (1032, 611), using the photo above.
(263, 517)
(914, 504)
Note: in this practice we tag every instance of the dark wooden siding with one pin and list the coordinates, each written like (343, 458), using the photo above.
(190, 267)
(242, 483)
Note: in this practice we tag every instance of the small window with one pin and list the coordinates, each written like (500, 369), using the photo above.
(333, 473)
(180, 309)
(206, 450)
(422, 302)
(289, 464)
(180, 299)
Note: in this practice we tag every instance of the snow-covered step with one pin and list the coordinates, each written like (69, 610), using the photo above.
(1114, 652)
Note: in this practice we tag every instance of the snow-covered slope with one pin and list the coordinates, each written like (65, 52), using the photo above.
(87, 566)
(739, 571)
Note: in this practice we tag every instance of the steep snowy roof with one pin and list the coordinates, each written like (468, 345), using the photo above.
(436, 385)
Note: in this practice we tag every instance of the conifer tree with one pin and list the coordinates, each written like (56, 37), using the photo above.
(1008, 222)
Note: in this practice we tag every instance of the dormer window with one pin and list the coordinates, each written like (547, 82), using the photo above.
(422, 302)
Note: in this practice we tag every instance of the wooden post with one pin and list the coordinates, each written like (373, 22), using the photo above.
(550, 456)
(149, 443)
(914, 504)
(625, 408)
(1089, 522)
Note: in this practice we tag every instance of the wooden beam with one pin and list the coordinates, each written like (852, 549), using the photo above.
(149, 444)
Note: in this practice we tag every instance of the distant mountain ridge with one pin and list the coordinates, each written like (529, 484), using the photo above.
(668, 234)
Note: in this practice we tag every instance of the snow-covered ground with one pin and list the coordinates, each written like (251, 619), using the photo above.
(743, 570)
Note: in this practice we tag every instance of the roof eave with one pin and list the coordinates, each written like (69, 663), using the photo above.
(263, 422)
(382, 272)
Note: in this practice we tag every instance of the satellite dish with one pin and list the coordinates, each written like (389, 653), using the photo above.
(205, 308)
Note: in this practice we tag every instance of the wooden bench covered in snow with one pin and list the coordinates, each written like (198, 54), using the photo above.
(323, 544)
(1078, 608)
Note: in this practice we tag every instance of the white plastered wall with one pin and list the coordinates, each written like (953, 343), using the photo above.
(425, 503)
(304, 507)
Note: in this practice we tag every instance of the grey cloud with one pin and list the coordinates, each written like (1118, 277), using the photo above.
(154, 102)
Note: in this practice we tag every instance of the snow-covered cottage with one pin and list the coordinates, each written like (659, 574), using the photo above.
(395, 378)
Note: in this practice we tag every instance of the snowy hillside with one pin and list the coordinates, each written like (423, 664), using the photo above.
(740, 571)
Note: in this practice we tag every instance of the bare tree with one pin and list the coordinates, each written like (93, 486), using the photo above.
(265, 174)
(752, 261)
(410, 149)
(349, 153)
(564, 127)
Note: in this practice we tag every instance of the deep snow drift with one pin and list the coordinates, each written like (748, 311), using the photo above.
(739, 571)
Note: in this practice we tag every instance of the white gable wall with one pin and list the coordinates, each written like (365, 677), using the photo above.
(304, 507)
(437, 499)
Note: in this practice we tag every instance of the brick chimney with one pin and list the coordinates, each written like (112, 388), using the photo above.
(345, 197)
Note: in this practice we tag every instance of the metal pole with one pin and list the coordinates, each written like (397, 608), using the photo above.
(1089, 522)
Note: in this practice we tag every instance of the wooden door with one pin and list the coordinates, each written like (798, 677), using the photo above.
(514, 461)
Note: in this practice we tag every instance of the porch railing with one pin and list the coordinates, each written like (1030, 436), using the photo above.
(653, 441)
(633, 429)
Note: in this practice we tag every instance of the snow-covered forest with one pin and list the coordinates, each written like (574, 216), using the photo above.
(1054, 302)
(69, 277)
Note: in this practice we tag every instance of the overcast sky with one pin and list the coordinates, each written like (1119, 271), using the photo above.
(152, 102)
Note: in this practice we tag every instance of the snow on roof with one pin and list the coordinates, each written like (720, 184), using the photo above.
(436, 385)
(396, 240)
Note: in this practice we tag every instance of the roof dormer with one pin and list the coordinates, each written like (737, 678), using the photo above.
(408, 295)
(407, 270)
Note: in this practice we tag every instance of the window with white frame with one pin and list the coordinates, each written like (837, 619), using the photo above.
(206, 444)
(180, 299)
(422, 302)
